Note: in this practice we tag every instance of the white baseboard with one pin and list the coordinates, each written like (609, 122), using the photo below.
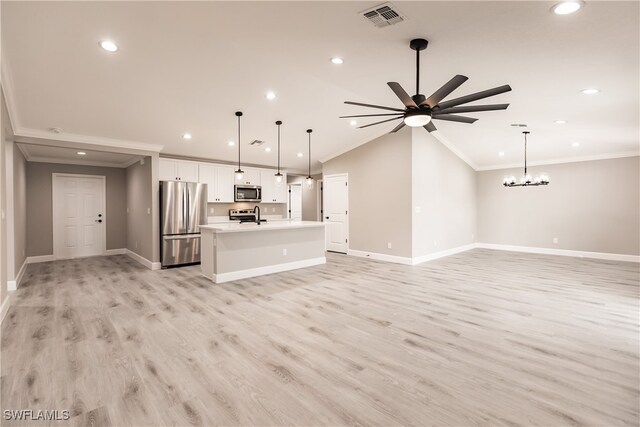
(260, 271)
(441, 254)
(380, 257)
(121, 251)
(5, 306)
(562, 252)
(12, 285)
(39, 258)
(142, 260)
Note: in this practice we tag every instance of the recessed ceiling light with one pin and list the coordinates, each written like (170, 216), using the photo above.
(270, 95)
(575, 144)
(560, 122)
(231, 143)
(268, 149)
(299, 154)
(186, 136)
(109, 46)
(353, 123)
(336, 60)
(501, 154)
(590, 91)
(81, 153)
(566, 7)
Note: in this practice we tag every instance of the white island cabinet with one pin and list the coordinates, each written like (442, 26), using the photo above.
(238, 251)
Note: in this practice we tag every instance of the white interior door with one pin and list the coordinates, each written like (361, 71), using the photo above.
(295, 201)
(79, 220)
(336, 212)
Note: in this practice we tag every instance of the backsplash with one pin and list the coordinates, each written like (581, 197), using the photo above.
(222, 209)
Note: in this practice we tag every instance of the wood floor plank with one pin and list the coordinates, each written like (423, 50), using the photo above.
(483, 338)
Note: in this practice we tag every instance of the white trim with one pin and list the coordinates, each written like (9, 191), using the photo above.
(5, 306)
(39, 258)
(380, 257)
(87, 139)
(142, 260)
(562, 252)
(442, 254)
(56, 237)
(261, 271)
(80, 162)
(6, 82)
(121, 251)
(12, 285)
(557, 161)
(10, 213)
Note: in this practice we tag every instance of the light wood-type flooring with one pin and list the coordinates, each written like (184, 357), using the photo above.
(484, 338)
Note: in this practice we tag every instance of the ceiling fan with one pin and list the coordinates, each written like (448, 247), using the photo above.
(420, 111)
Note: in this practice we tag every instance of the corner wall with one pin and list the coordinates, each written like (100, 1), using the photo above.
(140, 226)
(591, 206)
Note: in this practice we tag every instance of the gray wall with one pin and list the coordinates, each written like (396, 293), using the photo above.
(589, 206)
(139, 197)
(19, 208)
(379, 193)
(39, 204)
(444, 189)
(309, 196)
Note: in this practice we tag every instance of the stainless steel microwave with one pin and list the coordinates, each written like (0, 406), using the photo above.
(248, 193)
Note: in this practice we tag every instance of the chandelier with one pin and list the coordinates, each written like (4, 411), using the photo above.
(526, 180)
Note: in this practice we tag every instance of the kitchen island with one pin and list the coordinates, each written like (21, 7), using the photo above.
(232, 251)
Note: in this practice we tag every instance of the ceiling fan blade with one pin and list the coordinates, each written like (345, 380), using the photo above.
(402, 94)
(373, 106)
(377, 123)
(430, 127)
(397, 128)
(445, 90)
(452, 118)
(475, 96)
(372, 115)
(472, 108)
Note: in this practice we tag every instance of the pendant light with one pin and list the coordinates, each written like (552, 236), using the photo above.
(309, 178)
(278, 175)
(239, 172)
(526, 180)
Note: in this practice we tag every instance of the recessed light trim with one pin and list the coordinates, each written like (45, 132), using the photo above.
(560, 122)
(81, 153)
(109, 46)
(268, 149)
(300, 154)
(501, 154)
(270, 95)
(590, 91)
(186, 136)
(575, 144)
(353, 122)
(567, 7)
(231, 143)
(337, 60)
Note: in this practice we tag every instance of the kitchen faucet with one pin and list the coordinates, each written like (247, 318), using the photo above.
(256, 210)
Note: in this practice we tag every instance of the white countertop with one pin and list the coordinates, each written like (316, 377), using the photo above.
(265, 226)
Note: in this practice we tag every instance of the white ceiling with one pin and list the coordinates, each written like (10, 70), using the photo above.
(53, 154)
(188, 66)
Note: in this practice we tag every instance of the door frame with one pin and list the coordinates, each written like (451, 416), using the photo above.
(56, 234)
(289, 185)
(348, 219)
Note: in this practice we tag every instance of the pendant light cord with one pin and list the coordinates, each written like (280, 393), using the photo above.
(239, 143)
(309, 154)
(525, 152)
(417, 71)
(278, 149)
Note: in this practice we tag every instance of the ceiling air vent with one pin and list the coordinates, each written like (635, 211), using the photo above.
(383, 15)
(518, 125)
(256, 142)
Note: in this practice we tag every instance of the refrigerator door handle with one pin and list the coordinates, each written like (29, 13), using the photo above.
(182, 237)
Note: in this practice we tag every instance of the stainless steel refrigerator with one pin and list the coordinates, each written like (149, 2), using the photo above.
(183, 209)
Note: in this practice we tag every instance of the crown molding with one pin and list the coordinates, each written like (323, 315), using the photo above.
(24, 148)
(32, 136)
(7, 88)
(556, 161)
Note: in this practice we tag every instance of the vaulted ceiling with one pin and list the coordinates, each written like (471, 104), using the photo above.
(188, 66)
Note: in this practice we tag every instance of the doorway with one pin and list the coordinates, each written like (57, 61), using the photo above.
(295, 201)
(336, 212)
(79, 220)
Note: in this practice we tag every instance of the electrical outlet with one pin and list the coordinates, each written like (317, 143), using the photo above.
(148, 211)
(388, 245)
(284, 251)
(473, 236)
(273, 209)
(435, 243)
(555, 240)
(418, 209)
(2, 214)
(128, 210)
(211, 210)
(136, 244)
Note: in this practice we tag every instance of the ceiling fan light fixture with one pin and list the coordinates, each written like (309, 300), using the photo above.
(417, 118)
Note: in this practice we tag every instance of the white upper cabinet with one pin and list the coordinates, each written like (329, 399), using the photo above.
(219, 180)
(178, 170)
(251, 177)
(272, 191)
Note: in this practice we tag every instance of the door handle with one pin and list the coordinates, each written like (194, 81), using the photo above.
(98, 220)
(326, 217)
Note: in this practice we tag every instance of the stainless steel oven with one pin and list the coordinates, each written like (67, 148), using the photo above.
(248, 193)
